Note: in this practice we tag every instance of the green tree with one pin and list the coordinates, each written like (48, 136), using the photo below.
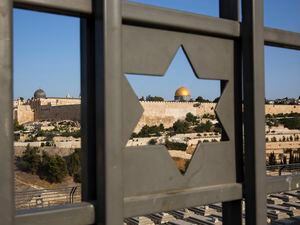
(291, 123)
(154, 98)
(18, 127)
(191, 118)
(74, 162)
(175, 145)
(30, 160)
(152, 141)
(272, 159)
(291, 160)
(201, 99)
(53, 168)
(181, 127)
(204, 127)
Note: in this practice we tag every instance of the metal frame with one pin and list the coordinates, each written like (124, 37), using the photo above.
(6, 132)
(254, 111)
(103, 126)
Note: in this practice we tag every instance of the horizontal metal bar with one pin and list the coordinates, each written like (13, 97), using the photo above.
(282, 183)
(144, 15)
(179, 21)
(282, 38)
(75, 7)
(77, 214)
(142, 205)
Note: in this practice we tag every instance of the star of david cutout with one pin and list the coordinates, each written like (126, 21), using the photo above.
(181, 136)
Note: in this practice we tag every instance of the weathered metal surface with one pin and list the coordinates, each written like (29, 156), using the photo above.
(149, 179)
(281, 38)
(176, 199)
(108, 100)
(150, 51)
(254, 111)
(149, 170)
(76, 214)
(60, 6)
(6, 128)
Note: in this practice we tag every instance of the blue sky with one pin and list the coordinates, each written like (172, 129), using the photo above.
(47, 54)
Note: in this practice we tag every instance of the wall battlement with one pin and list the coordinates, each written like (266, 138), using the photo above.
(155, 112)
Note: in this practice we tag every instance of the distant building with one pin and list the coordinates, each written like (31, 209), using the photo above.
(182, 94)
(40, 107)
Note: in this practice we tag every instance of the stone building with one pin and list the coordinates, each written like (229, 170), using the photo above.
(40, 107)
(182, 94)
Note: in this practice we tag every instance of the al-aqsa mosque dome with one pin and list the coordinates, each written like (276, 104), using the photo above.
(182, 94)
(39, 93)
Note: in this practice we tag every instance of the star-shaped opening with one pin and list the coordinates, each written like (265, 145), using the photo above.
(179, 110)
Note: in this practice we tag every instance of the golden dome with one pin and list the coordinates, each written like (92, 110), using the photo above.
(182, 91)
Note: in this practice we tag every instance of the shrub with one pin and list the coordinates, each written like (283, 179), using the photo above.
(204, 127)
(176, 145)
(30, 161)
(148, 131)
(272, 159)
(191, 118)
(181, 127)
(73, 162)
(291, 123)
(53, 168)
(152, 141)
(77, 177)
(18, 127)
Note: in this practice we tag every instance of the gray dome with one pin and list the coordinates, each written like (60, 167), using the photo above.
(39, 94)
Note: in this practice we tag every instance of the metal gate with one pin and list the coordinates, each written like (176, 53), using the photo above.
(119, 37)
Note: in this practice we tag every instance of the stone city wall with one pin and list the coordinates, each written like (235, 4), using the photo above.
(282, 145)
(59, 101)
(155, 113)
(276, 109)
(23, 114)
(167, 113)
(56, 113)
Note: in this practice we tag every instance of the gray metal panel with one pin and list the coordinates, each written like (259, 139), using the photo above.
(282, 183)
(63, 6)
(178, 20)
(165, 201)
(108, 87)
(254, 111)
(80, 214)
(88, 128)
(230, 9)
(133, 112)
(6, 129)
(150, 169)
(281, 38)
(150, 51)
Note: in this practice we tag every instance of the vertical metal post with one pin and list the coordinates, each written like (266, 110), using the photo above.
(108, 74)
(254, 111)
(232, 211)
(89, 184)
(6, 130)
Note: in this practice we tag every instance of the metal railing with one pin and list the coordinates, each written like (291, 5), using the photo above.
(47, 197)
(102, 119)
(283, 169)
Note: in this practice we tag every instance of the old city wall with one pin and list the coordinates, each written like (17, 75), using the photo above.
(56, 113)
(59, 101)
(23, 114)
(276, 109)
(167, 113)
